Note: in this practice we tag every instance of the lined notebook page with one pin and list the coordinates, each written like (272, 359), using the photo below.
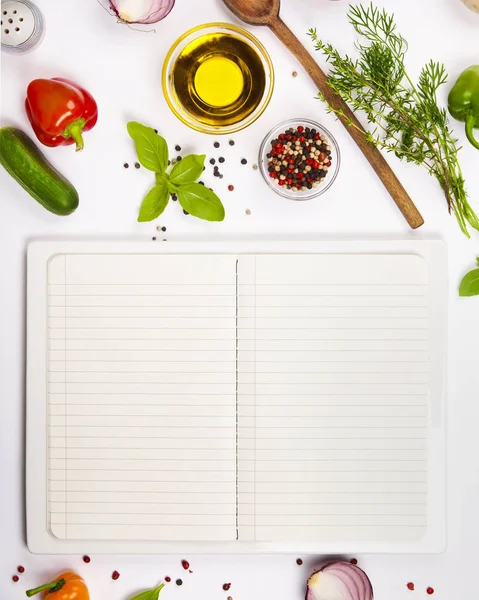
(336, 406)
(142, 397)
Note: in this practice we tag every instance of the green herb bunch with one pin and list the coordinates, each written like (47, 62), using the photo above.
(195, 198)
(404, 117)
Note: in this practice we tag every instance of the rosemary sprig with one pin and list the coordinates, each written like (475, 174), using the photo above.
(404, 117)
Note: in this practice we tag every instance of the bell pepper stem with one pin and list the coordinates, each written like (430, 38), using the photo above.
(54, 586)
(74, 131)
(470, 123)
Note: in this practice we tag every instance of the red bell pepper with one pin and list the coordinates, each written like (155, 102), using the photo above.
(60, 111)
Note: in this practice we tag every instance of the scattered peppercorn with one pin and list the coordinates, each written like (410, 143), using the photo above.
(21, 569)
(137, 165)
(255, 167)
(221, 159)
(179, 582)
(167, 579)
(126, 165)
(155, 130)
(169, 162)
(295, 73)
(430, 591)
(212, 161)
(185, 213)
(201, 182)
(410, 586)
(86, 559)
(173, 161)
(216, 144)
(154, 239)
(231, 142)
(244, 161)
(248, 212)
(15, 578)
(231, 188)
(178, 148)
(299, 561)
(354, 561)
(229, 598)
(174, 197)
(185, 564)
(178, 158)
(226, 586)
(115, 575)
(163, 228)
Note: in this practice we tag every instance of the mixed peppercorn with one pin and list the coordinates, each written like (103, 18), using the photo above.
(299, 158)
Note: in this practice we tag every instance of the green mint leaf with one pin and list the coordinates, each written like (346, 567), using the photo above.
(188, 170)
(151, 148)
(154, 202)
(149, 594)
(470, 284)
(201, 202)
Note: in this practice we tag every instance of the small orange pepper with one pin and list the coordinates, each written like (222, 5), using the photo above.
(67, 586)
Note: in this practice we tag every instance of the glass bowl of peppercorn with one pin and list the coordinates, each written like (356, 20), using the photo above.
(299, 159)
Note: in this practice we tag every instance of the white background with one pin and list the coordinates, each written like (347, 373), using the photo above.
(122, 68)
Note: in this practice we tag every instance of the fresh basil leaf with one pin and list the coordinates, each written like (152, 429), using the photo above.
(151, 148)
(188, 170)
(201, 202)
(477, 260)
(154, 202)
(149, 594)
(470, 284)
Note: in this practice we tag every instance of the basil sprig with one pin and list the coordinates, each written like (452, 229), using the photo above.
(149, 594)
(470, 284)
(196, 199)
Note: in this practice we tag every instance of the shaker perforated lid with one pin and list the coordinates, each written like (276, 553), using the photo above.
(21, 25)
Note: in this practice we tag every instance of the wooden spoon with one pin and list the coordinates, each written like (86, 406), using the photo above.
(266, 12)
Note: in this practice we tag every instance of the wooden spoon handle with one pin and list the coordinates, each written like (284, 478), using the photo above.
(374, 156)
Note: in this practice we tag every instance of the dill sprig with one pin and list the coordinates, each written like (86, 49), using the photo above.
(404, 117)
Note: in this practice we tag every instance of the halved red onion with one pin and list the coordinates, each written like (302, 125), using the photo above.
(339, 581)
(144, 12)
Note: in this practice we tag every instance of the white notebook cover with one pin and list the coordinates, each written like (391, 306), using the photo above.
(236, 396)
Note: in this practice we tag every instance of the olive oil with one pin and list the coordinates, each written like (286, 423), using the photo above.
(219, 79)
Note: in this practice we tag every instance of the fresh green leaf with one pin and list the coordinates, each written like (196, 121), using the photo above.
(154, 202)
(477, 260)
(149, 594)
(151, 148)
(470, 284)
(188, 170)
(201, 202)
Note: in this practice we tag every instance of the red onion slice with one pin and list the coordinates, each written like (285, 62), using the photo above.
(144, 12)
(339, 581)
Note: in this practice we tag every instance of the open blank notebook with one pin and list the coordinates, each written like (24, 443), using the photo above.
(260, 398)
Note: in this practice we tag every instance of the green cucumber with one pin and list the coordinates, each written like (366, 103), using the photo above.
(27, 165)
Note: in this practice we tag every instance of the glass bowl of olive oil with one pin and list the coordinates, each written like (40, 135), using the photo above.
(218, 78)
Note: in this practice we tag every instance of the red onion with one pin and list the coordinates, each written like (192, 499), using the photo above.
(339, 581)
(144, 12)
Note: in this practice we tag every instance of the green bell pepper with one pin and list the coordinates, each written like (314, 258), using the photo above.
(464, 101)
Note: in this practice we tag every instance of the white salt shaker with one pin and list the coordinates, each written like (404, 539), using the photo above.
(22, 26)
